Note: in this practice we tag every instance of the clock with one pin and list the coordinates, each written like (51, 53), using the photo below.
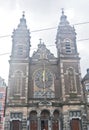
(43, 78)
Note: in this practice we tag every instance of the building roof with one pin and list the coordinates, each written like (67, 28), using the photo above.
(86, 77)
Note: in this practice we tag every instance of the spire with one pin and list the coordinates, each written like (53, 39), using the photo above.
(40, 40)
(41, 44)
(62, 11)
(63, 19)
(22, 26)
(65, 32)
(23, 15)
(22, 21)
(21, 36)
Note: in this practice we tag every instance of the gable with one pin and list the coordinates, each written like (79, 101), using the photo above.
(42, 53)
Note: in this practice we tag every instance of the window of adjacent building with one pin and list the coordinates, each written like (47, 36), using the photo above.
(87, 90)
(2, 83)
(88, 98)
(1, 95)
(1, 106)
(87, 86)
(0, 118)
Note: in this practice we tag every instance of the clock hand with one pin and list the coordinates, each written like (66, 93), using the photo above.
(43, 75)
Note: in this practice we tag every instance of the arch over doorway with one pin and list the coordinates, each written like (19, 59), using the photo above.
(45, 116)
(33, 120)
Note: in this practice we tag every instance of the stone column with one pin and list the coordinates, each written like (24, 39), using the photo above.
(7, 123)
(84, 122)
(59, 124)
(51, 118)
(28, 124)
(38, 117)
(50, 124)
(66, 121)
(39, 127)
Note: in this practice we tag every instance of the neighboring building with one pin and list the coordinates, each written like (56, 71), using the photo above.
(2, 102)
(85, 82)
(45, 92)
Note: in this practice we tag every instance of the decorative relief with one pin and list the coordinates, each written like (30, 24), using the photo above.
(42, 52)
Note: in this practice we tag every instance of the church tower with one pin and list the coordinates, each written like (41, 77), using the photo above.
(68, 60)
(19, 63)
(70, 75)
(18, 76)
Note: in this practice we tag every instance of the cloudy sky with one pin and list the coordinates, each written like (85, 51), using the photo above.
(41, 14)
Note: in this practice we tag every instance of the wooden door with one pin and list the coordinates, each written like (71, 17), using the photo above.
(15, 125)
(55, 125)
(75, 124)
(33, 125)
(44, 124)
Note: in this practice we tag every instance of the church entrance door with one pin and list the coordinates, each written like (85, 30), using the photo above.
(75, 124)
(55, 125)
(15, 125)
(45, 115)
(44, 124)
(33, 120)
(33, 125)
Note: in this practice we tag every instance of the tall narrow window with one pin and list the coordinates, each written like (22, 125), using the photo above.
(1, 107)
(72, 81)
(87, 91)
(67, 46)
(0, 119)
(1, 95)
(20, 50)
(18, 82)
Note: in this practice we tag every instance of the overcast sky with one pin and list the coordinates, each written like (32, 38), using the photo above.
(42, 14)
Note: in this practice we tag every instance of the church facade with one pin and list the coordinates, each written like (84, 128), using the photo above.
(45, 92)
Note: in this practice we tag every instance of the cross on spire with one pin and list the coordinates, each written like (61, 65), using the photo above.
(62, 11)
(23, 14)
(40, 40)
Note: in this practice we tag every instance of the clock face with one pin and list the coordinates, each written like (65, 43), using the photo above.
(43, 78)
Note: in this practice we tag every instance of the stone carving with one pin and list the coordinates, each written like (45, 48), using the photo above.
(42, 52)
